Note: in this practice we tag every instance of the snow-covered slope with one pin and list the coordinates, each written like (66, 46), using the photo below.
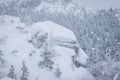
(20, 42)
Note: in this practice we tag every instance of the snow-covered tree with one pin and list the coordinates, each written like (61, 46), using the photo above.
(11, 73)
(38, 39)
(1, 65)
(25, 72)
(47, 61)
(1, 59)
(58, 72)
(47, 56)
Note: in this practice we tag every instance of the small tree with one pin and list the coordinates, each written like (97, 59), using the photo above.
(47, 56)
(11, 74)
(1, 59)
(2, 21)
(38, 39)
(24, 72)
(58, 72)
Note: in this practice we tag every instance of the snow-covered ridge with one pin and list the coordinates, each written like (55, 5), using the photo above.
(21, 42)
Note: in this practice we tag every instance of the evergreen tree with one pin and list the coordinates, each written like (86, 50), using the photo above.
(11, 74)
(24, 72)
(58, 72)
(1, 59)
(47, 56)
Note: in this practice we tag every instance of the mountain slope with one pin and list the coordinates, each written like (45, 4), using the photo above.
(37, 42)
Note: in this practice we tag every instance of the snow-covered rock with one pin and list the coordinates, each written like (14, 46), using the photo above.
(26, 42)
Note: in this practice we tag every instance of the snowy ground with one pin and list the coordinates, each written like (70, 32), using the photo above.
(14, 42)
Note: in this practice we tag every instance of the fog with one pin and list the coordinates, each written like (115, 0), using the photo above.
(98, 4)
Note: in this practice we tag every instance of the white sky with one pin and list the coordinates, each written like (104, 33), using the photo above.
(98, 4)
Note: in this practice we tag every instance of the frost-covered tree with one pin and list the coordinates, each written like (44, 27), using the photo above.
(1, 59)
(11, 73)
(58, 72)
(25, 72)
(1, 65)
(38, 39)
(103, 40)
(47, 56)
